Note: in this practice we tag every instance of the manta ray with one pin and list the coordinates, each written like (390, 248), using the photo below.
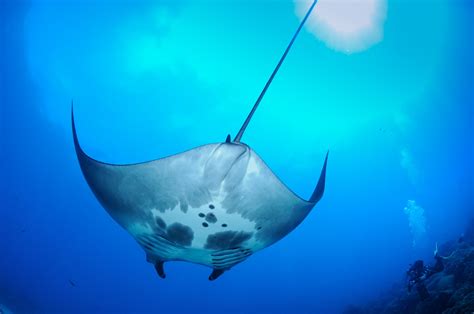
(214, 205)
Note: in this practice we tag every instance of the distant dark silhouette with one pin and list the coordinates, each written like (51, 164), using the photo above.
(418, 273)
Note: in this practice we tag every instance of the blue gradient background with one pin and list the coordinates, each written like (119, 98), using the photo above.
(150, 79)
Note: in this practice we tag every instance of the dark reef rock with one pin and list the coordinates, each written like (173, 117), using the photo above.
(451, 291)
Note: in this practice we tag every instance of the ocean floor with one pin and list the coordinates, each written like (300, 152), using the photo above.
(451, 291)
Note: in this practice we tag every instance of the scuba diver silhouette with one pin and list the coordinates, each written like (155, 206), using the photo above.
(418, 273)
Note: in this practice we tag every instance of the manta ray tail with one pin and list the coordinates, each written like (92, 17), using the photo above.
(319, 190)
(239, 135)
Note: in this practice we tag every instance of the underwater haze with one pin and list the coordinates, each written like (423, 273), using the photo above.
(387, 90)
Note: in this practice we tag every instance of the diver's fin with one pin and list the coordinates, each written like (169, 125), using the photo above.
(227, 139)
(160, 270)
(215, 274)
(319, 190)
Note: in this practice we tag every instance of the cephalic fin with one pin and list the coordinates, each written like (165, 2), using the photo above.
(216, 274)
(159, 269)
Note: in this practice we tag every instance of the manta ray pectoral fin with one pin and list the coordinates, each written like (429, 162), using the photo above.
(319, 190)
(159, 269)
(216, 274)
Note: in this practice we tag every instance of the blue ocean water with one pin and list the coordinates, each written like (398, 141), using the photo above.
(150, 79)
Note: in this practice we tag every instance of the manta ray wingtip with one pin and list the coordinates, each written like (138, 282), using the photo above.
(73, 124)
(80, 153)
(74, 133)
(72, 111)
(319, 190)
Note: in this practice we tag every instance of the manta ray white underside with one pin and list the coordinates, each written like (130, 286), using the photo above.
(213, 205)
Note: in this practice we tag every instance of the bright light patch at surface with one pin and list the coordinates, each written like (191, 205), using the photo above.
(348, 26)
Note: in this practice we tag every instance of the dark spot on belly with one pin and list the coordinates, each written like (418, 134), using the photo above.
(201, 215)
(211, 206)
(205, 224)
(211, 218)
(259, 227)
(226, 239)
(160, 222)
(180, 234)
(224, 225)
